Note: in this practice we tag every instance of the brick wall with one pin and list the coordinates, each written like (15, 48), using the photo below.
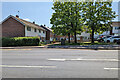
(51, 34)
(47, 35)
(12, 28)
(116, 24)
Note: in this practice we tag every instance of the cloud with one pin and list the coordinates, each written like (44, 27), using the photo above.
(27, 19)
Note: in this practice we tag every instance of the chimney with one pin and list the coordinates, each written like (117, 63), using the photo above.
(17, 16)
(33, 22)
(41, 25)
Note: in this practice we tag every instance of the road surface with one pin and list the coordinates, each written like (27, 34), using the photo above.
(59, 63)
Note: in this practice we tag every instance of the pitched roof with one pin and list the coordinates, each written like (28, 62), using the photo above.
(46, 28)
(24, 22)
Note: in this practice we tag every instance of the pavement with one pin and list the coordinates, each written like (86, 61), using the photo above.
(22, 47)
(59, 63)
(93, 47)
(96, 47)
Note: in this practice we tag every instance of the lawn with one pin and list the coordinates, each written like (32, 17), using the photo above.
(85, 43)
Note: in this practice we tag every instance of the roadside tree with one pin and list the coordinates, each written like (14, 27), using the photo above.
(98, 16)
(67, 18)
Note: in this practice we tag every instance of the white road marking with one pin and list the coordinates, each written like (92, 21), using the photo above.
(80, 59)
(57, 59)
(112, 68)
(12, 66)
(16, 49)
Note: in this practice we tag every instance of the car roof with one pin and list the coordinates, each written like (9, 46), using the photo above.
(115, 36)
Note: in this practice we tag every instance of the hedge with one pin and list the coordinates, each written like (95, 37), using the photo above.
(20, 41)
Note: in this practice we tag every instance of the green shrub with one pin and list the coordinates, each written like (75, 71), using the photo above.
(20, 41)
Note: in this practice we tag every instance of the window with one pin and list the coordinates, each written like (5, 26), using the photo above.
(28, 28)
(35, 30)
(43, 31)
(39, 31)
(116, 28)
(86, 31)
(56, 38)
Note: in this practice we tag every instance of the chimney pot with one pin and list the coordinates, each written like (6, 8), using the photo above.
(17, 16)
(33, 22)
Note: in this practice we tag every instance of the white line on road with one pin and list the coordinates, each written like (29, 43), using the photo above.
(16, 49)
(80, 59)
(112, 68)
(27, 66)
(57, 59)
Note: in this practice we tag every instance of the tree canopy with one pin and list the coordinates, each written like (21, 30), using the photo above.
(67, 18)
(98, 16)
(73, 17)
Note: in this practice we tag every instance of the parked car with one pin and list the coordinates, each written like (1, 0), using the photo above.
(118, 41)
(106, 37)
(113, 39)
(100, 38)
(103, 38)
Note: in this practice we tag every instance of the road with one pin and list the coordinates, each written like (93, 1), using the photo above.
(59, 63)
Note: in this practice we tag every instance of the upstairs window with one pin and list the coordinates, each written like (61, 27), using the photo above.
(39, 31)
(28, 28)
(35, 30)
(116, 28)
(86, 31)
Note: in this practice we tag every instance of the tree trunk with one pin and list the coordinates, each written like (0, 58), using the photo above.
(76, 24)
(111, 33)
(75, 40)
(68, 37)
(92, 39)
(92, 26)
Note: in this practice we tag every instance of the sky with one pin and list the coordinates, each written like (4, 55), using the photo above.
(40, 12)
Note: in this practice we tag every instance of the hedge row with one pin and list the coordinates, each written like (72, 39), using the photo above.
(20, 41)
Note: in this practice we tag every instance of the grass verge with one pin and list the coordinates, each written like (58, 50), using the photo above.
(86, 43)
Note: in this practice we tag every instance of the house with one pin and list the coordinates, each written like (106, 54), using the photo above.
(49, 34)
(116, 28)
(13, 26)
(114, 31)
(84, 36)
(60, 37)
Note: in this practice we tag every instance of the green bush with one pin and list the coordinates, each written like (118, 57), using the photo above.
(20, 41)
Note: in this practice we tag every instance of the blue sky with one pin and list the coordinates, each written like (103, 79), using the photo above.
(40, 12)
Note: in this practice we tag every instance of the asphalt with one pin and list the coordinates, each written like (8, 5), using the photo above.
(92, 47)
(59, 63)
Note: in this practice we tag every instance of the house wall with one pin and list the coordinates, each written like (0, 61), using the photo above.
(51, 36)
(32, 33)
(85, 36)
(12, 28)
(47, 35)
(0, 30)
(116, 28)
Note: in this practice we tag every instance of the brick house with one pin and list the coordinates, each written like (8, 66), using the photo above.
(13, 26)
(49, 34)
